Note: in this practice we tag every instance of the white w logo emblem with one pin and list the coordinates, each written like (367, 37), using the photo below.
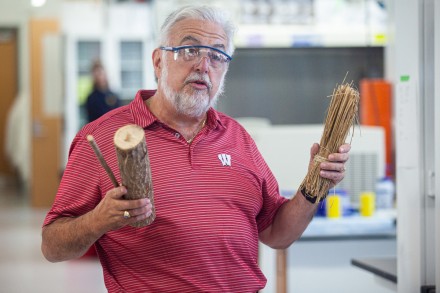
(225, 159)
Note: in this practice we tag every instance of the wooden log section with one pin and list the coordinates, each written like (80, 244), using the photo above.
(134, 166)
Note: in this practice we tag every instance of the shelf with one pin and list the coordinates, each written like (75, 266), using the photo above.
(281, 36)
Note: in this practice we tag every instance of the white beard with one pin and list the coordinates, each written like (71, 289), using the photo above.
(193, 105)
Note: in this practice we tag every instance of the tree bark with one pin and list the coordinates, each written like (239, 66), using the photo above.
(134, 166)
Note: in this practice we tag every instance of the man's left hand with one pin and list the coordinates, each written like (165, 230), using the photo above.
(334, 168)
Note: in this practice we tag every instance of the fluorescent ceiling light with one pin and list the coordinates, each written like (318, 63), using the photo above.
(38, 3)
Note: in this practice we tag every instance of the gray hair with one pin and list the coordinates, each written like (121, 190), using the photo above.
(204, 12)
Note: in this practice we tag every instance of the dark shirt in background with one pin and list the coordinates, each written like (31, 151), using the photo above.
(100, 102)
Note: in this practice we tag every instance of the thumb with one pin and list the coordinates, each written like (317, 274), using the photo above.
(314, 150)
(117, 192)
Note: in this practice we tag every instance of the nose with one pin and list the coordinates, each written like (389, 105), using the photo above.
(202, 65)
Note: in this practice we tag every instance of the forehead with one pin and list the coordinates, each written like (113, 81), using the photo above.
(193, 31)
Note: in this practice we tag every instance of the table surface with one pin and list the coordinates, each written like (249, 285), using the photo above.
(381, 225)
(383, 267)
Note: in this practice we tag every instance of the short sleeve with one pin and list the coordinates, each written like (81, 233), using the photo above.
(79, 190)
(272, 200)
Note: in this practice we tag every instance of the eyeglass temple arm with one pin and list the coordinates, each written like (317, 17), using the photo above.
(173, 49)
(168, 48)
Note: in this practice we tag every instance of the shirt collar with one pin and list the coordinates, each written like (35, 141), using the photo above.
(213, 119)
(141, 114)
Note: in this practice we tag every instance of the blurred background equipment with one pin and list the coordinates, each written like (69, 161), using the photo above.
(376, 110)
(9, 81)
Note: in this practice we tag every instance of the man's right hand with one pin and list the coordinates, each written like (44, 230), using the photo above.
(109, 213)
(68, 238)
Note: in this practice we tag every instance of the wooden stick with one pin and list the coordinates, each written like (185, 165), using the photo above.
(98, 153)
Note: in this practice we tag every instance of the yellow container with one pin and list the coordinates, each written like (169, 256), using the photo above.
(367, 204)
(333, 206)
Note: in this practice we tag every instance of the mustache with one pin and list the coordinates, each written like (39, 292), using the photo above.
(197, 77)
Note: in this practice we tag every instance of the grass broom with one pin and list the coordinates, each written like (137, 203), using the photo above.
(341, 115)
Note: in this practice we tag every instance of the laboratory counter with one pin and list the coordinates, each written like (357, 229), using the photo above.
(380, 226)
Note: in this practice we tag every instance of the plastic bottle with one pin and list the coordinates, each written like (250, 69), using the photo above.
(367, 203)
(385, 193)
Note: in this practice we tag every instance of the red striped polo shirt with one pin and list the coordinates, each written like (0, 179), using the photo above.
(212, 198)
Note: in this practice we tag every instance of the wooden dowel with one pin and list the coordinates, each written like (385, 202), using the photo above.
(95, 148)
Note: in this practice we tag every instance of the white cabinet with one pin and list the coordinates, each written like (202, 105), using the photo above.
(307, 23)
(321, 260)
(325, 265)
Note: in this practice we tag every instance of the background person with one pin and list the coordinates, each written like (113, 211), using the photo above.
(101, 100)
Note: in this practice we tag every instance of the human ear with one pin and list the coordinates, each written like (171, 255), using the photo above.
(157, 62)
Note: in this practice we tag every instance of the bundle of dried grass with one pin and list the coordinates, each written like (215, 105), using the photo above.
(342, 114)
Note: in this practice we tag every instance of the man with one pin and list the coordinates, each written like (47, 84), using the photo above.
(215, 197)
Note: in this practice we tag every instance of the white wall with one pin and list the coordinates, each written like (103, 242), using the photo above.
(437, 139)
(415, 131)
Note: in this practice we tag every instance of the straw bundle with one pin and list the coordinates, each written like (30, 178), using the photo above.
(342, 114)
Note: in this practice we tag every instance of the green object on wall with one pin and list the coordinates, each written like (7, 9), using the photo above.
(404, 78)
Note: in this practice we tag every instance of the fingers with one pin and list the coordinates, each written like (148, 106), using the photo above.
(328, 166)
(345, 148)
(334, 167)
(115, 212)
(132, 203)
(342, 155)
(137, 210)
(123, 204)
(336, 161)
(332, 171)
(117, 192)
(334, 177)
(338, 157)
(314, 150)
(138, 214)
(127, 212)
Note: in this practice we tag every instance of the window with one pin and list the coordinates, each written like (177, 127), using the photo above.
(131, 68)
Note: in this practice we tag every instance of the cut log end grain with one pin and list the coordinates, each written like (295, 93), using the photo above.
(134, 166)
(128, 137)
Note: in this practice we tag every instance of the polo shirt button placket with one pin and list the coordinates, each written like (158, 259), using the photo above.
(190, 154)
